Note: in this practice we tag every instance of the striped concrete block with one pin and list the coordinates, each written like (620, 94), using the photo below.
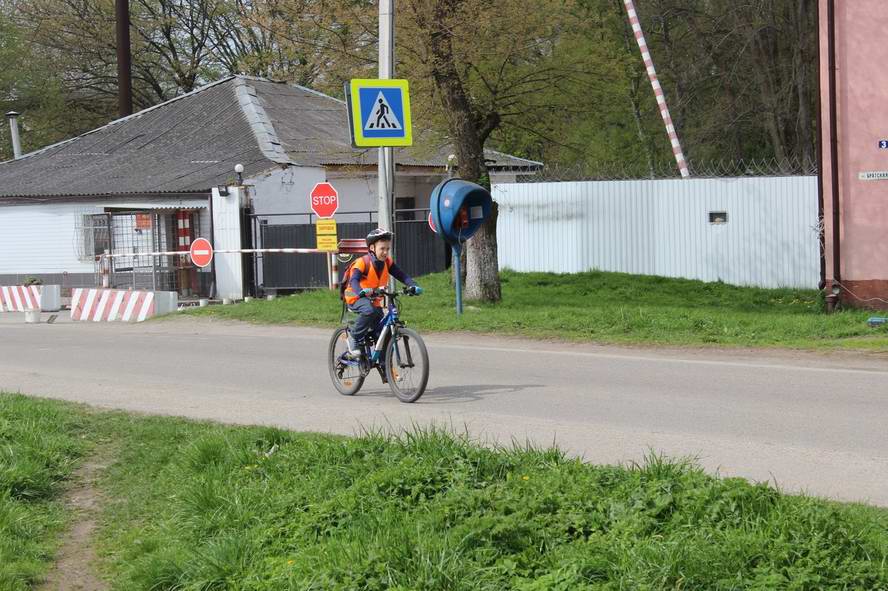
(119, 305)
(20, 298)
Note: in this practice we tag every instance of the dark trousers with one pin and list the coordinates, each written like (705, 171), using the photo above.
(369, 317)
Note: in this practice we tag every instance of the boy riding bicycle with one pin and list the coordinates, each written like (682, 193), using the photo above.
(367, 274)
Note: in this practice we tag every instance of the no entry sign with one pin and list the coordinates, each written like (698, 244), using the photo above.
(324, 200)
(201, 252)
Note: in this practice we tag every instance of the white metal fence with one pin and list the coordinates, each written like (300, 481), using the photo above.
(758, 231)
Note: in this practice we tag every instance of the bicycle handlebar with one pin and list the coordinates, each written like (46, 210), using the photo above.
(380, 291)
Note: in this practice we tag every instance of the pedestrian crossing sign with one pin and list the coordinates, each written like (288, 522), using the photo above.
(379, 113)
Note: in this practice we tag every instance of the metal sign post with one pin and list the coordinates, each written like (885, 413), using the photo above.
(385, 164)
(457, 262)
(382, 120)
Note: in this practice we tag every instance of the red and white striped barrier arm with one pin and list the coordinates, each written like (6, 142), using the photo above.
(109, 305)
(183, 219)
(18, 298)
(658, 90)
(226, 251)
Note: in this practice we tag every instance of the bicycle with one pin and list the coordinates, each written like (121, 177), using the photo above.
(400, 356)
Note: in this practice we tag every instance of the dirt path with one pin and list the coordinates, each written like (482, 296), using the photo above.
(74, 569)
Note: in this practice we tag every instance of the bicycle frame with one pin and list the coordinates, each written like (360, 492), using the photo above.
(386, 327)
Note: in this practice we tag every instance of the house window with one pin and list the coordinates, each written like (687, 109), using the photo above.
(402, 203)
(718, 217)
(96, 235)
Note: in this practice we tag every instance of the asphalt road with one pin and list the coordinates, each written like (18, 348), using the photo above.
(807, 422)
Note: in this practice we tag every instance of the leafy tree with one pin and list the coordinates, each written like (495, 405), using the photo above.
(30, 86)
(487, 66)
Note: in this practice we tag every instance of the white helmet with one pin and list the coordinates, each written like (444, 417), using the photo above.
(377, 235)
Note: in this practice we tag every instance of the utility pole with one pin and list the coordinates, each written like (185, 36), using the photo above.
(124, 61)
(386, 164)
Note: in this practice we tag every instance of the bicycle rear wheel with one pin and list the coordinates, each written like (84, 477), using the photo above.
(407, 365)
(346, 375)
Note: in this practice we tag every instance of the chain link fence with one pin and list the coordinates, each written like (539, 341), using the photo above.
(622, 171)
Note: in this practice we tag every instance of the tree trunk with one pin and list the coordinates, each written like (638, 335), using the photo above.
(634, 88)
(482, 277)
(806, 143)
(646, 145)
(469, 132)
(763, 55)
(678, 102)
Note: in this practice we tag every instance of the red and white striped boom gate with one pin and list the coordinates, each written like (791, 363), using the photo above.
(658, 90)
(346, 246)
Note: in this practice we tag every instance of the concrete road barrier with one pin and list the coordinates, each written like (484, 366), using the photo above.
(121, 305)
(21, 298)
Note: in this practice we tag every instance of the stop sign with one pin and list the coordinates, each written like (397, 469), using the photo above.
(201, 252)
(324, 200)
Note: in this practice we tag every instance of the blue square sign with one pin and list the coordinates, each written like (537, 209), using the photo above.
(379, 113)
(382, 112)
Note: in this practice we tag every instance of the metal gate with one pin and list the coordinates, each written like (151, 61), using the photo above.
(132, 233)
(418, 250)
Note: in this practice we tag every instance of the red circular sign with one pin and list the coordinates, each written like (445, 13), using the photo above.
(201, 252)
(432, 224)
(324, 200)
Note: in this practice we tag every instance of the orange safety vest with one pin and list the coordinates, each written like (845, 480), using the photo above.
(369, 279)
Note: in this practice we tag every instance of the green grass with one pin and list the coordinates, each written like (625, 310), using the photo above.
(39, 445)
(200, 506)
(607, 308)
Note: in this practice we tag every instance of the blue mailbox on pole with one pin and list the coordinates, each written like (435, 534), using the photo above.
(458, 210)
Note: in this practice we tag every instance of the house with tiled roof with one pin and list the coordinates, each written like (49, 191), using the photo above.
(132, 184)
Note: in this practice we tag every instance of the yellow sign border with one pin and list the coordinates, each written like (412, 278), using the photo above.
(357, 125)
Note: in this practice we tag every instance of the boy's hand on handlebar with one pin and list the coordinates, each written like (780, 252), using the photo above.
(414, 290)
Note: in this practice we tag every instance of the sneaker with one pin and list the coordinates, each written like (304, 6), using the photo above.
(353, 355)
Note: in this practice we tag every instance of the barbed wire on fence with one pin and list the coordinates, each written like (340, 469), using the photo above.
(619, 171)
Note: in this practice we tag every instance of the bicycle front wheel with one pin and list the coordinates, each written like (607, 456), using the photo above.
(407, 365)
(346, 375)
